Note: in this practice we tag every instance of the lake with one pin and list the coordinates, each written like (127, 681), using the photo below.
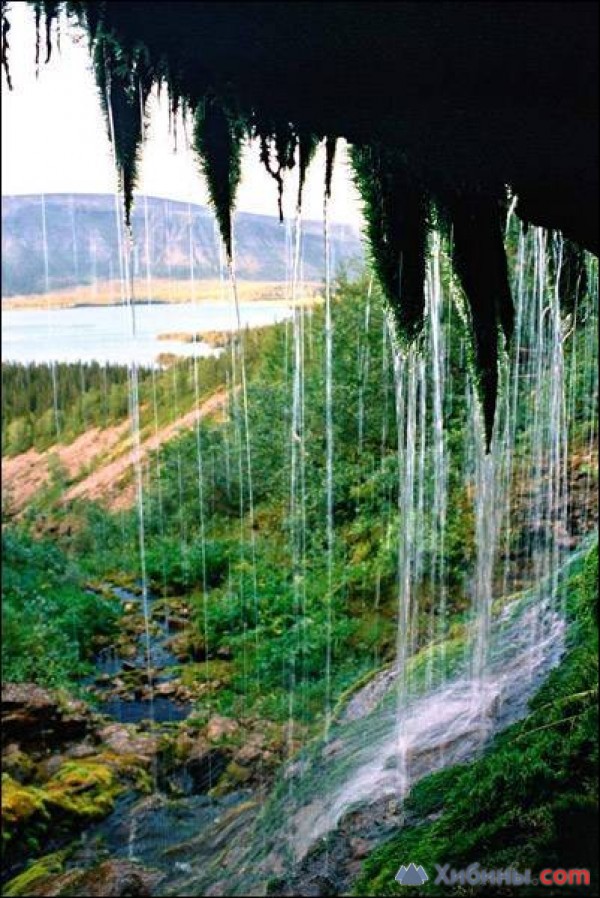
(104, 333)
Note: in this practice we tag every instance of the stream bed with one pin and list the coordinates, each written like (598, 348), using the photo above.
(152, 665)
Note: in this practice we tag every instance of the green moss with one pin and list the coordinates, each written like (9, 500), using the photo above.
(129, 768)
(124, 80)
(396, 213)
(218, 137)
(20, 803)
(234, 776)
(84, 788)
(207, 671)
(35, 874)
(79, 789)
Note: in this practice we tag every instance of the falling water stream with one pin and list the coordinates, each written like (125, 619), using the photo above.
(443, 698)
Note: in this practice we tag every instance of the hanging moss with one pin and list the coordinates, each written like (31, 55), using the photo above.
(307, 146)
(480, 263)
(330, 147)
(124, 83)
(396, 213)
(46, 10)
(91, 16)
(280, 142)
(217, 140)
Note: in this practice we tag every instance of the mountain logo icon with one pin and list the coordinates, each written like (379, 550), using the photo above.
(411, 876)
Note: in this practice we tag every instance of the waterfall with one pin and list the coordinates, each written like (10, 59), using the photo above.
(450, 688)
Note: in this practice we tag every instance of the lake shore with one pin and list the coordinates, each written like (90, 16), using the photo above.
(163, 292)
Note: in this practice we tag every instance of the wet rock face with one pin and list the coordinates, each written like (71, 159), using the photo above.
(335, 862)
(31, 714)
(111, 879)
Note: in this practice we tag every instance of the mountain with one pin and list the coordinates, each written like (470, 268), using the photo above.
(82, 242)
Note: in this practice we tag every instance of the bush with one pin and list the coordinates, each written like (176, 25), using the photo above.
(49, 621)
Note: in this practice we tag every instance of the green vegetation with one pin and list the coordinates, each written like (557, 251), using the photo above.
(50, 624)
(256, 568)
(249, 573)
(87, 395)
(530, 802)
(256, 578)
(93, 395)
(260, 620)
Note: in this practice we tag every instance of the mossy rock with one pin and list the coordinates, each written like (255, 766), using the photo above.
(207, 672)
(18, 764)
(234, 776)
(35, 875)
(86, 788)
(20, 803)
(79, 788)
(130, 767)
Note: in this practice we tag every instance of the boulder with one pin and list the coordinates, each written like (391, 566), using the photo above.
(126, 740)
(197, 767)
(34, 715)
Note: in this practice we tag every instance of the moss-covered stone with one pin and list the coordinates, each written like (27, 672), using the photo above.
(86, 788)
(80, 790)
(19, 804)
(234, 776)
(35, 875)
(207, 672)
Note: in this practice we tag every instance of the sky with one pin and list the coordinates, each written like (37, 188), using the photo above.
(54, 138)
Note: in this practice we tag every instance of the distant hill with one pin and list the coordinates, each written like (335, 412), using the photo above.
(82, 241)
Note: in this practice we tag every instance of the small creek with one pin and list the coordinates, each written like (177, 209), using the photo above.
(139, 678)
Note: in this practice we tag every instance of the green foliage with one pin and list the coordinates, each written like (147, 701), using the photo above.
(94, 395)
(49, 622)
(267, 595)
(531, 801)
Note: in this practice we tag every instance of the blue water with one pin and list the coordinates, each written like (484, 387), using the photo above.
(104, 333)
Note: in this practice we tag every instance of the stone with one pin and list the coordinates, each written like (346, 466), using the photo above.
(249, 753)
(17, 763)
(110, 879)
(34, 715)
(126, 740)
(81, 750)
(169, 688)
(360, 847)
(178, 623)
(221, 727)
